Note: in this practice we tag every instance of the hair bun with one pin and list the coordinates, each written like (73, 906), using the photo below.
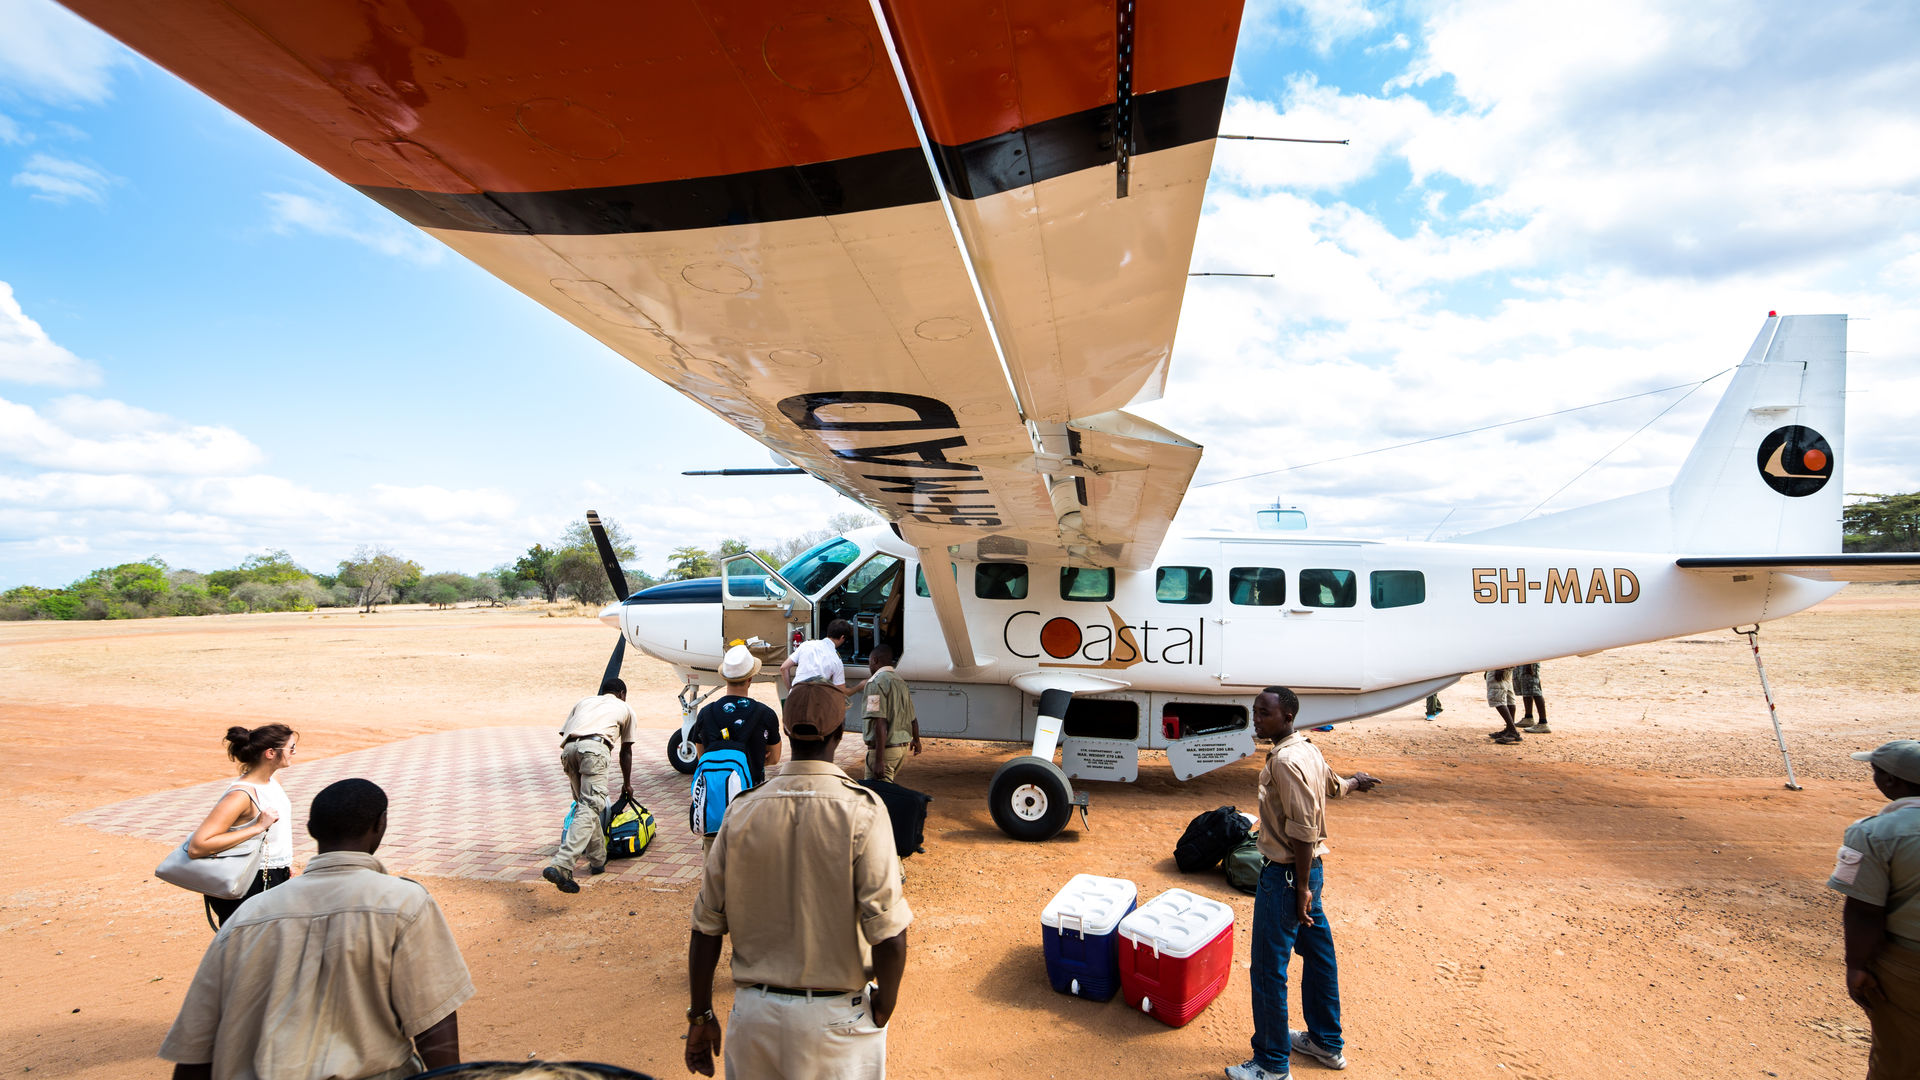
(239, 736)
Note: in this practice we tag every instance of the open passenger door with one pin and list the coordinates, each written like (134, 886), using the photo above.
(761, 608)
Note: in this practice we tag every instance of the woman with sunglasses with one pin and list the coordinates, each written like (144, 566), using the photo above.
(255, 804)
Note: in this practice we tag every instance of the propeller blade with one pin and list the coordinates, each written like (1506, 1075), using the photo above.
(607, 559)
(613, 662)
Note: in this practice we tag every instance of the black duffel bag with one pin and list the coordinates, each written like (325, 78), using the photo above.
(908, 809)
(1209, 838)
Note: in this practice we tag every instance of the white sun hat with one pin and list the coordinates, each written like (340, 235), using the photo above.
(738, 664)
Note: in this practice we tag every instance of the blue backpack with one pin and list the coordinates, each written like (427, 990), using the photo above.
(721, 774)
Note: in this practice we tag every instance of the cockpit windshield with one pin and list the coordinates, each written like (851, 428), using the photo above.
(812, 569)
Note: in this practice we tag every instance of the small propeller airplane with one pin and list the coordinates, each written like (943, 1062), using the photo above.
(930, 253)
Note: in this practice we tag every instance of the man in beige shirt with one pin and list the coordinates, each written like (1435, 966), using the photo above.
(1287, 915)
(804, 876)
(587, 740)
(343, 971)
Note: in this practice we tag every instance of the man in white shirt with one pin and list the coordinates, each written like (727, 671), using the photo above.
(586, 744)
(819, 661)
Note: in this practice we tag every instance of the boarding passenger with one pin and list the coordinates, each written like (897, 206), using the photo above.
(1433, 706)
(738, 720)
(892, 729)
(1526, 687)
(1878, 870)
(343, 972)
(1288, 916)
(586, 746)
(819, 661)
(1500, 698)
(804, 877)
(255, 804)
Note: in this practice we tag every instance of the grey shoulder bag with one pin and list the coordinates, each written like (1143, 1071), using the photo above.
(225, 875)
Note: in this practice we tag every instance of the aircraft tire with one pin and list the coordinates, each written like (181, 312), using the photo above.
(681, 763)
(1031, 799)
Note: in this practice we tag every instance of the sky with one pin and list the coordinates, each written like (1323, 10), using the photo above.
(208, 347)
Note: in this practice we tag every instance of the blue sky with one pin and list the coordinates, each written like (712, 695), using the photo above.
(208, 347)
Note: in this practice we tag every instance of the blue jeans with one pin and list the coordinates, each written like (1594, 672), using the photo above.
(1277, 931)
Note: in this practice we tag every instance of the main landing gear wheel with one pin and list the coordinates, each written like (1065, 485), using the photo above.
(1030, 798)
(680, 753)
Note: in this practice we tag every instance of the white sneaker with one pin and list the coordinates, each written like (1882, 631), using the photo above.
(1303, 1044)
(1251, 1070)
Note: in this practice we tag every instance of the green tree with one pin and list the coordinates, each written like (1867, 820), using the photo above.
(142, 583)
(537, 566)
(733, 546)
(375, 573)
(440, 594)
(509, 584)
(256, 596)
(1882, 523)
(689, 562)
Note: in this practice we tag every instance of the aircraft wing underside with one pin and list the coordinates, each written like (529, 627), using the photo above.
(734, 196)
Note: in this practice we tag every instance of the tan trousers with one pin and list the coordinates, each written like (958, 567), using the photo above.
(585, 761)
(782, 1037)
(1896, 1024)
(886, 764)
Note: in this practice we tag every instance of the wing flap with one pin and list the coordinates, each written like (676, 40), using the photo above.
(1873, 566)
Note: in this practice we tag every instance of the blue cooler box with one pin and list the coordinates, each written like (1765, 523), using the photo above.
(1078, 930)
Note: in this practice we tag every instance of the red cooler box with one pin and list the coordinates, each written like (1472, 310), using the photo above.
(1175, 953)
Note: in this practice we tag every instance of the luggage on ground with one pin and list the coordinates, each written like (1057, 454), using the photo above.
(629, 828)
(1209, 838)
(1077, 931)
(720, 775)
(1244, 866)
(908, 809)
(1176, 951)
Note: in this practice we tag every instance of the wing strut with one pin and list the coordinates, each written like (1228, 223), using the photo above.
(1753, 638)
(946, 607)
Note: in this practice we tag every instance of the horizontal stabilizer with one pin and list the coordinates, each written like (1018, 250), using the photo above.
(1897, 566)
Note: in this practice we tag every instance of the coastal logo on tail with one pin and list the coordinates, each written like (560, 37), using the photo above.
(1795, 460)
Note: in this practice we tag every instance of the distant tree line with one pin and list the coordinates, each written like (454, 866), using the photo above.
(1882, 523)
(271, 581)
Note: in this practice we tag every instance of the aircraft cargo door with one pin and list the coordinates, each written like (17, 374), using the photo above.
(1292, 615)
(761, 608)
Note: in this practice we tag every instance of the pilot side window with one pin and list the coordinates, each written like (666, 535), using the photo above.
(1327, 588)
(1183, 585)
(1080, 583)
(1257, 586)
(1397, 588)
(1000, 581)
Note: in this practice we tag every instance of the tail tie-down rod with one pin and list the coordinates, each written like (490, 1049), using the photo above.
(1752, 635)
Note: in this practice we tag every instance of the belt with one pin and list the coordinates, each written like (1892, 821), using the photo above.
(601, 739)
(795, 991)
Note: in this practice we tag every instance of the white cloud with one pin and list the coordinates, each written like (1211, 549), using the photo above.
(365, 225)
(65, 439)
(52, 54)
(10, 133)
(58, 180)
(28, 355)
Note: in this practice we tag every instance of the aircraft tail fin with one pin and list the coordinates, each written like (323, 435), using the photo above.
(1763, 477)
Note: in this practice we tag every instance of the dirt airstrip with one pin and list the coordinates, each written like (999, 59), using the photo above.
(1634, 895)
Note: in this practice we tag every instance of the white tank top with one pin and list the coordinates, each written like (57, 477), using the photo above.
(280, 835)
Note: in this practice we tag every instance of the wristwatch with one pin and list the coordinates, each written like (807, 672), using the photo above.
(695, 1019)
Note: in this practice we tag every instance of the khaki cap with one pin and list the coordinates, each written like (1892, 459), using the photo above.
(1901, 758)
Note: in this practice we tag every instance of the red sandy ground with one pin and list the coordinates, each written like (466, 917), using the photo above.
(1635, 895)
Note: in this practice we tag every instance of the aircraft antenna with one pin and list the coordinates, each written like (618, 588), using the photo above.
(1690, 387)
(1636, 433)
(1281, 138)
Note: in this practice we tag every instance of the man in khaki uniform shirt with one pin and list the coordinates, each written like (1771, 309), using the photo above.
(1878, 870)
(587, 740)
(892, 728)
(343, 971)
(804, 876)
(1287, 913)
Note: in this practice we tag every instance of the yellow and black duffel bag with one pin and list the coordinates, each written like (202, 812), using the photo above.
(629, 828)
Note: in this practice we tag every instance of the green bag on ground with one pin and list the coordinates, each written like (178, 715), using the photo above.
(1244, 865)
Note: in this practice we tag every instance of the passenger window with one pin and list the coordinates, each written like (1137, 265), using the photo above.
(1327, 588)
(1257, 586)
(1183, 585)
(1000, 581)
(1079, 583)
(1397, 588)
(920, 578)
